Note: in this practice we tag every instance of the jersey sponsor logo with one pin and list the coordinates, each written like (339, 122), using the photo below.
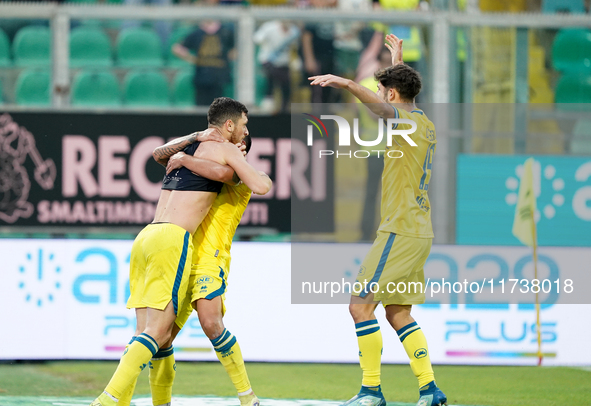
(362, 271)
(204, 280)
(420, 353)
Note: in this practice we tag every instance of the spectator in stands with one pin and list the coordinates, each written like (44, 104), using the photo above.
(275, 39)
(163, 28)
(318, 51)
(209, 48)
(348, 44)
(412, 35)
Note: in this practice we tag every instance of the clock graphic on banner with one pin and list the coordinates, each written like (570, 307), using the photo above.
(39, 277)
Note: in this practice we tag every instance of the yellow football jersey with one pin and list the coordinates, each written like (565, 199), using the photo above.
(213, 239)
(406, 209)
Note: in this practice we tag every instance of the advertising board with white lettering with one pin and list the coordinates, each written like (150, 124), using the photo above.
(73, 293)
(85, 169)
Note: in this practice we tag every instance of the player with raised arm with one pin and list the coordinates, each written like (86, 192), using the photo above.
(404, 236)
(159, 269)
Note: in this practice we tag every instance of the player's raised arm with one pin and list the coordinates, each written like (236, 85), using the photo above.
(366, 96)
(257, 181)
(164, 152)
(395, 46)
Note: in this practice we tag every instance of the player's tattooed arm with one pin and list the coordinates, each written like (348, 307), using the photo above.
(164, 152)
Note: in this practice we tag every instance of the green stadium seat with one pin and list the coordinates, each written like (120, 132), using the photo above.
(574, 88)
(33, 88)
(139, 47)
(90, 46)
(229, 90)
(184, 89)
(96, 88)
(177, 35)
(560, 6)
(571, 50)
(146, 89)
(4, 49)
(31, 46)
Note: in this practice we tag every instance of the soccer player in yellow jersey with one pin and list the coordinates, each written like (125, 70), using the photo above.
(208, 278)
(404, 236)
(160, 254)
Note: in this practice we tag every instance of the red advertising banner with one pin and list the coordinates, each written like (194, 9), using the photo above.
(89, 169)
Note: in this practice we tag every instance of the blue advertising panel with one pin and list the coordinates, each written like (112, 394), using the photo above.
(487, 188)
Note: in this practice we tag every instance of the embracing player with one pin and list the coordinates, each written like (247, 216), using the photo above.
(161, 254)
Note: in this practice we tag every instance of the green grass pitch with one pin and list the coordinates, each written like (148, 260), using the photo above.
(464, 385)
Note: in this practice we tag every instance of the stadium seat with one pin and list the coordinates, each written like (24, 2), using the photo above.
(184, 89)
(1, 93)
(33, 88)
(96, 88)
(177, 35)
(560, 6)
(146, 89)
(574, 88)
(4, 49)
(571, 50)
(139, 47)
(31, 46)
(90, 46)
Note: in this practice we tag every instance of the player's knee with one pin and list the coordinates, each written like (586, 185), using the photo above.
(360, 313)
(212, 327)
(162, 335)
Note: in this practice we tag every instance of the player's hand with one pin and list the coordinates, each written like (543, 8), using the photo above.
(211, 134)
(395, 46)
(242, 147)
(175, 162)
(329, 80)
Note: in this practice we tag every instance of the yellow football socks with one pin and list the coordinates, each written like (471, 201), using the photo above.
(228, 352)
(133, 361)
(125, 399)
(162, 373)
(415, 344)
(369, 338)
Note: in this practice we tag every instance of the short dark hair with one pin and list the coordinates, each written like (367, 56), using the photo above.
(223, 109)
(403, 78)
(248, 142)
